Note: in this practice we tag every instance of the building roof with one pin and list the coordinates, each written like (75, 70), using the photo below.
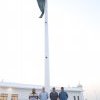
(19, 85)
(30, 86)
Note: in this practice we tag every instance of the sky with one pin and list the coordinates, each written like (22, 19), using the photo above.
(74, 43)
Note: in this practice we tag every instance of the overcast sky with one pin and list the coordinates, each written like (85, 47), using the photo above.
(74, 43)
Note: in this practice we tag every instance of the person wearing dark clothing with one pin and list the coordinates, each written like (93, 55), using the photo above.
(33, 95)
(63, 95)
(53, 94)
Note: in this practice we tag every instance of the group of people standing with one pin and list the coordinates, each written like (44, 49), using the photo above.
(62, 95)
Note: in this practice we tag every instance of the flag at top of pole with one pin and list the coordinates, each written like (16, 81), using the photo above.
(41, 4)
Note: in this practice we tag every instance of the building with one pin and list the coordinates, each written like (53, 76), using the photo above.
(16, 91)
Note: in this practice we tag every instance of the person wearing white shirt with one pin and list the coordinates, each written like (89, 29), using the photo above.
(43, 95)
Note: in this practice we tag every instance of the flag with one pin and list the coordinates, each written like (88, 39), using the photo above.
(41, 4)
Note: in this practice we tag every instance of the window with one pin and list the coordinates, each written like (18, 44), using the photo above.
(3, 96)
(74, 97)
(14, 97)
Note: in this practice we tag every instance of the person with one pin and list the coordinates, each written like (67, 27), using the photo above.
(63, 95)
(43, 95)
(33, 95)
(53, 94)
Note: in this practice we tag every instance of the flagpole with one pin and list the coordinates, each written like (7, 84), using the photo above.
(47, 73)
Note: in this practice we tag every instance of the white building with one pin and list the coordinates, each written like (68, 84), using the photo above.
(15, 91)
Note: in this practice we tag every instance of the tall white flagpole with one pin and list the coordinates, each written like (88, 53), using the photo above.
(47, 73)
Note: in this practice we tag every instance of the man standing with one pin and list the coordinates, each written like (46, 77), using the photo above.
(63, 95)
(53, 94)
(33, 95)
(43, 95)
